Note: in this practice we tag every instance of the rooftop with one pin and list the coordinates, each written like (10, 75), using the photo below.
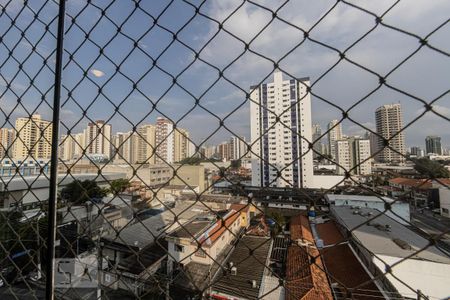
(249, 258)
(142, 233)
(332, 197)
(339, 261)
(305, 279)
(20, 183)
(385, 236)
(423, 184)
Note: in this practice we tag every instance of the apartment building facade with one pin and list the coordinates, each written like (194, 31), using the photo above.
(280, 113)
(389, 123)
(33, 138)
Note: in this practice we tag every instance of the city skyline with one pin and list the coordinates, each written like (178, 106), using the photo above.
(310, 60)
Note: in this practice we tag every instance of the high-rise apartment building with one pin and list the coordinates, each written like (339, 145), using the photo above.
(147, 144)
(181, 144)
(280, 113)
(7, 137)
(208, 151)
(223, 151)
(342, 156)
(353, 154)
(416, 151)
(126, 147)
(34, 138)
(389, 122)
(361, 156)
(164, 141)
(334, 134)
(66, 147)
(433, 145)
(98, 138)
(238, 148)
(317, 140)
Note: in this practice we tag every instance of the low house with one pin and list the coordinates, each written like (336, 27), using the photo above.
(197, 248)
(382, 243)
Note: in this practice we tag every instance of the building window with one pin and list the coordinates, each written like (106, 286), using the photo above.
(178, 248)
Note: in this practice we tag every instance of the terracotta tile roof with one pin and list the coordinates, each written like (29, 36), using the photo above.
(240, 207)
(340, 262)
(216, 230)
(329, 233)
(300, 228)
(305, 280)
(418, 183)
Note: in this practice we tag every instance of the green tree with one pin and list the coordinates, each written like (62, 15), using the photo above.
(279, 220)
(119, 185)
(78, 192)
(430, 168)
(191, 161)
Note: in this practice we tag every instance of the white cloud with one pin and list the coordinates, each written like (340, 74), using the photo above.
(97, 73)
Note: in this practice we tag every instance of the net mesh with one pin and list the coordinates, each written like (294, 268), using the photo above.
(147, 208)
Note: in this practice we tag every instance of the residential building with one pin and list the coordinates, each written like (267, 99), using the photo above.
(207, 151)
(66, 147)
(280, 113)
(378, 240)
(30, 193)
(417, 151)
(164, 141)
(126, 146)
(433, 145)
(353, 155)
(147, 144)
(33, 138)
(334, 134)
(342, 156)
(188, 175)
(7, 137)
(98, 138)
(444, 201)
(317, 140)
(223, 151)
(362, 159)
(181, 144)
(389, 123)
(238, 148)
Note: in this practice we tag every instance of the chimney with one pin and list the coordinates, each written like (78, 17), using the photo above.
(233, 271)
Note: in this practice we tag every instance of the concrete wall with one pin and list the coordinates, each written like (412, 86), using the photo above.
(191, 175)
(444, 199)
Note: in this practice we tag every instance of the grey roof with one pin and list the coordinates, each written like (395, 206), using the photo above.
(19, 183)
(374, 236)
(191, 229)
(332, 197)
(249, 258)
(142, 233)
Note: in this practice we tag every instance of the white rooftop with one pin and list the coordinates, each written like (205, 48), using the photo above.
(332, 197)
(379, 241)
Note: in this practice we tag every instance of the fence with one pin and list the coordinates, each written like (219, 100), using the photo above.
(151, 211)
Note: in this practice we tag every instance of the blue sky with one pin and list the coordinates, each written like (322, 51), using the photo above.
(425, 75)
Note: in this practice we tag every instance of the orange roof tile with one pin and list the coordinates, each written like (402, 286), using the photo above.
(419, 183)
(305, 280)
(300, 228)
(216, 230)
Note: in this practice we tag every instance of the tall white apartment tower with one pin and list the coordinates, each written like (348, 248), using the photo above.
(164, 141)
(334, 135)
(280, 113)
(98, 137)
(389, 121)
